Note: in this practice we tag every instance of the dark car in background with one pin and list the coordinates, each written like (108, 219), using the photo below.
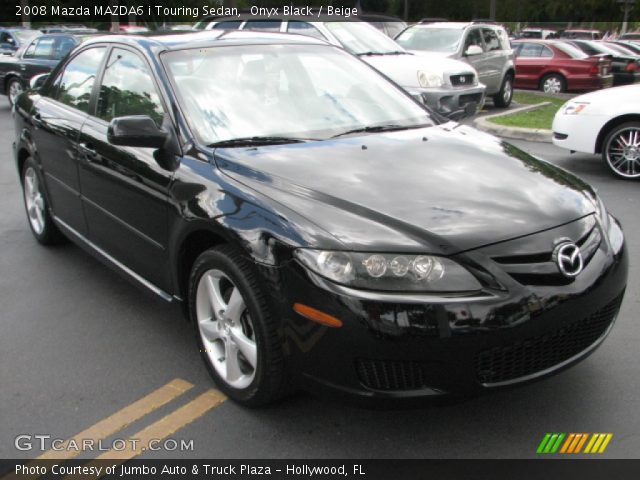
(12, 38)
(39, 56)
(624, 65)
(322, 228)
(555, 66)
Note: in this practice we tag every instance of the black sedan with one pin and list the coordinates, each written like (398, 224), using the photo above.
(321, 229)
(12, 38)
(625, 66)
(39, 56)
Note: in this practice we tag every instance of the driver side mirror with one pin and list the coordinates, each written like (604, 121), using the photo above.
(37, 81)
(473, 50)
(136, 131)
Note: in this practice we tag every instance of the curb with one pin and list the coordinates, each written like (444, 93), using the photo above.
(519, 133)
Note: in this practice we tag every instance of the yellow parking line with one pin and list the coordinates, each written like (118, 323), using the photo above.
(159, 430)
(113, 424)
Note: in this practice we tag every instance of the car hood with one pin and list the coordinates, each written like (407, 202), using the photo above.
(443, 189)
(403, 68)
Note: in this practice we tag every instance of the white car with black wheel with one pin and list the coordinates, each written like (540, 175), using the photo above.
(605, 122)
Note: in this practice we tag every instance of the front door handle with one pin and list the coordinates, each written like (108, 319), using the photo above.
(88, 150)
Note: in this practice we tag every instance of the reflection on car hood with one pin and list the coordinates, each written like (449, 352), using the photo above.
(403, 69)
(440, 189)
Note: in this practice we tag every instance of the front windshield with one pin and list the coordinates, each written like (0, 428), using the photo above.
(301, 91)
(360, 38)
(444, 40)
(26, 35)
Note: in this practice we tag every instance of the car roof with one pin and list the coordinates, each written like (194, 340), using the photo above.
(204, 39)
(452, 25)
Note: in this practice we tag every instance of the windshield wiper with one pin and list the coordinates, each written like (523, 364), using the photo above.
(382, 128)
(390, 52)
(251, 141)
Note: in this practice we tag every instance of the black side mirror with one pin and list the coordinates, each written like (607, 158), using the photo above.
(136, 131)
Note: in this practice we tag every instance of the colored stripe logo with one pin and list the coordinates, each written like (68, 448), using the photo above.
(573, 443)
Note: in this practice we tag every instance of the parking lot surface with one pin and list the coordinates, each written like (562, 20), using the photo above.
(83, 351)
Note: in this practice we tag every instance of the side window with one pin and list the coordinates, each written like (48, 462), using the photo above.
(127, 88)
(42, 48)
(473, 38)
(263, 25)
(530, 50)
(304, 28)
(227, 25)
(490, 39)
(546, 52)
(63, 46)
(6, 38)
(75, 83)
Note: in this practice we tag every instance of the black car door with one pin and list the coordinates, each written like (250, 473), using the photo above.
(58, 117)
(125, 191)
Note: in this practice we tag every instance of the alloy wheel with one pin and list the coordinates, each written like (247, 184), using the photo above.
(507, 91)
(34, 200)
(623, 152)
(226, 329)
(15, 89)
(552, 85)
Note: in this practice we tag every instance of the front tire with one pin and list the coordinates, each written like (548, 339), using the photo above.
(553, 84)
(14, 89)
(236, 332)
(621, 150)
(35, 202)
(505, 95)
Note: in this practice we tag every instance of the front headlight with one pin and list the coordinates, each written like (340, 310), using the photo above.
(430, 79)
(574, 108)
(389, 272)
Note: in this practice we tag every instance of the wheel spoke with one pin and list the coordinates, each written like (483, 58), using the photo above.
(235, 306)
(210, 330)
(245, 345)
(232, 363)
(215, 295)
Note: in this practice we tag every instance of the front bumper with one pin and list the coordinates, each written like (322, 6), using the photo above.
(453, 102)
(394, 346)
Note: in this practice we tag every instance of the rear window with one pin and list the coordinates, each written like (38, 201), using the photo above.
(572, 51)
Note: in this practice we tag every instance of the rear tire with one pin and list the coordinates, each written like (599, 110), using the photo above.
(505, 95)
(553, 83)
(37, 207)
(621, 150)
(236, 332)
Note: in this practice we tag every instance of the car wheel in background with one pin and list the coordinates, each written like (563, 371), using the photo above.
(505, 95)
(236, 333)
(553, 83)
(14, 88)
(621, 150)
(35, 203)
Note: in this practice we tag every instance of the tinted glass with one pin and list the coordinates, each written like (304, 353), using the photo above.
(263, 25)
(473, 38)
(127, 88)
(74, 86)
(63, 46)
(304, 28)
(228, 25)
(490, 39)
(546, 52)
(570, 50)
(42, 48)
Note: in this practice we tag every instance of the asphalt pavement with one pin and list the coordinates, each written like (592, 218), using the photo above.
(78, 344)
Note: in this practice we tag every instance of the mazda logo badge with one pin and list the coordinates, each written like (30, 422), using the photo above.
(569, 259)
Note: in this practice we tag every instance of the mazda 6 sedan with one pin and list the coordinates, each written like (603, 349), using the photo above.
(322, 230)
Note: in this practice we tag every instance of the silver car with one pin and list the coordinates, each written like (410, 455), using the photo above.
(448, 86)
(485, 46)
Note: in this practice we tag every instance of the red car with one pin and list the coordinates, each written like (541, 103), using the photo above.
(556, 66)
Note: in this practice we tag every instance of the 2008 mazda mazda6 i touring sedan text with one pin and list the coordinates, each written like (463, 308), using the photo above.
(320, 226)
